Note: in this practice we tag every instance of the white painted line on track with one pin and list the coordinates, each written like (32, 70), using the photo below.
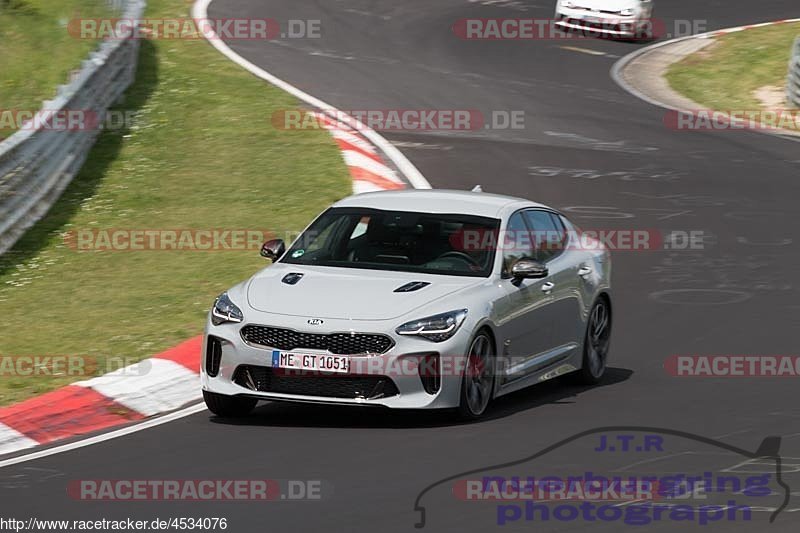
(588, 51)
(147, 424)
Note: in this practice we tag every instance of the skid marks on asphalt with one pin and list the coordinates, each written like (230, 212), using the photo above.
(622, 145)
(422, 146)
(516, 5)
(588, 51)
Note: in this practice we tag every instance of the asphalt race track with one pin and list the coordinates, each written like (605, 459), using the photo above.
(739, 295)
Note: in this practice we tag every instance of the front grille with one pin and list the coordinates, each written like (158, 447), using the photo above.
(266, 379)
(338, 343)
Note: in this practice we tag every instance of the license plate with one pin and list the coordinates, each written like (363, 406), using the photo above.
(313, 362)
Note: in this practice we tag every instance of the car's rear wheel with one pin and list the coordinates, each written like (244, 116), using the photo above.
(478, 381)
(596, 343)
(228, 406)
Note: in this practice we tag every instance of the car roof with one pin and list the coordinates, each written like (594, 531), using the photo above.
(438, 201)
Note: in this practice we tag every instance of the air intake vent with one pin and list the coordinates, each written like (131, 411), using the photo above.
(292, 278)
(350, 386)
(213, 355)
(430, 374)
(413, 286)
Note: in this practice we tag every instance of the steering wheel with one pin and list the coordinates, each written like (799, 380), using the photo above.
(459, 255)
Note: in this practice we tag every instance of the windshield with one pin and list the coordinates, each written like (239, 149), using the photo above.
(395, 240)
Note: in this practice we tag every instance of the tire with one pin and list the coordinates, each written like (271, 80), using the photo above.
(228, 406)
(596, 343)
(477, 383)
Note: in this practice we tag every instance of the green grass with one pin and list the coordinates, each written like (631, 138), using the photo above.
(725, 76)
(201, 154)
(36, 51)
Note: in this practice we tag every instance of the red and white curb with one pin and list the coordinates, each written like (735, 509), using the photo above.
(160, 384)
(367, 169)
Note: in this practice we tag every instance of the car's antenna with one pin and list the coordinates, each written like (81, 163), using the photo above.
(477, 188)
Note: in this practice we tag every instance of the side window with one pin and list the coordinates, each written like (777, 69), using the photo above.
(516, 242)
(548, 234)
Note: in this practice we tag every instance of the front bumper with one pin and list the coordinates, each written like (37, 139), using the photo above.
(390, 379)
(601, 24)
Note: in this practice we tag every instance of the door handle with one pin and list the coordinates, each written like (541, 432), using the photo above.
(547, 286)
(584, 271)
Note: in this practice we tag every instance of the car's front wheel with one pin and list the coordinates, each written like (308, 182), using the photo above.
(478, 381)
(596, 343)
(228, 406)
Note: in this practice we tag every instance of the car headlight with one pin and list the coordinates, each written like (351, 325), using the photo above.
(629, 12)
(225, 310)
(436, 328)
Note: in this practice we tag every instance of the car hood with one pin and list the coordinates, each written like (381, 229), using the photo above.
(607, 5)
(347, 293)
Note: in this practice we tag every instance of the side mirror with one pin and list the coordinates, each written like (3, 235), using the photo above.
(528, 268)
(273, 249)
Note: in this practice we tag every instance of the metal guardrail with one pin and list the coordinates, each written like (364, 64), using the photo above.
(793, 84)
(36, 165)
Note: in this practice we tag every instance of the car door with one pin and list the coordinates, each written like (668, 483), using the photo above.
(564, 306)
(525, 323)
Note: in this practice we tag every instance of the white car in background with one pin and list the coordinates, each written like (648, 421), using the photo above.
(412, 299)
(627, 19)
